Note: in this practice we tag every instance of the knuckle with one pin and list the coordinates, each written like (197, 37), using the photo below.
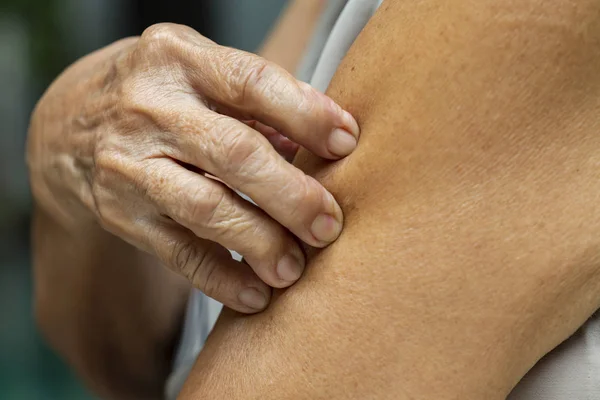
(265, 249)
(204, 207)
(257, 78)
(232, 149)
(253, 77)
(155, 75)
(304, 196)
(241, 151)
(221, 215)
(309, 100)
(205, 277)
(158, 35)
(198, 265)
(186, 257)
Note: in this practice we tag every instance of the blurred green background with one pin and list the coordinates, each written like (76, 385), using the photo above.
(38, 39)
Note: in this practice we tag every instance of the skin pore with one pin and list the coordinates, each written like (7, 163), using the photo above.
(470, 246)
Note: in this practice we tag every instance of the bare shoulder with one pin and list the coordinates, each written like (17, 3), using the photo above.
(461, 132)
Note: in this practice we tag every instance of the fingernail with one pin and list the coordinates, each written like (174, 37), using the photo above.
(289, 268)
(341, 142)
(325, 228)
(351, 123)
(253, 298)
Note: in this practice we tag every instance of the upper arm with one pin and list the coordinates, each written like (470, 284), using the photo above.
(289, 38)
(469, 209)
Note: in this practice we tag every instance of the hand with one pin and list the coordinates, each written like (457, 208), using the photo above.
(174, 128)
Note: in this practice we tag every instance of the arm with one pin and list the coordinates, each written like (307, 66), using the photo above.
(106, 303)
(471, 235)
(110, 309)
(290, 36)
(101, 302)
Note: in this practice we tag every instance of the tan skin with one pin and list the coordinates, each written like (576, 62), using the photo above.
(117, 149)
(471, 238)
(471, 232)
(287, 42)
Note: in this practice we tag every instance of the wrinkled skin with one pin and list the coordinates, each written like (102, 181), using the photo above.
(471, 244)
(155, 152)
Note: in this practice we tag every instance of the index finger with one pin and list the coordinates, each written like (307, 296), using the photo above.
(261, 90)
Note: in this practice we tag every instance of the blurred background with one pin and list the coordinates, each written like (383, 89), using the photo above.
(38, 39)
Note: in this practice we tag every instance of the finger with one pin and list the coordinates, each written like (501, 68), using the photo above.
(210, 268)
(284, 146)
(241, 157)
(260, 90)
(214, 212)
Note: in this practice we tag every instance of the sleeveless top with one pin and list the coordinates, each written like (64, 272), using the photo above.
(569, 372)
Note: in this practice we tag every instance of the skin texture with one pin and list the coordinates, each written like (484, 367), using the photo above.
(116, 150)
(165, 114)
(470, 246)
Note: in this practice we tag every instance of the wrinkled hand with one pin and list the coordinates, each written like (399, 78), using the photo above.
(179, 110)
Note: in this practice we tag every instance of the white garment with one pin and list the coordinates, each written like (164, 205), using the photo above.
(570, 372)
